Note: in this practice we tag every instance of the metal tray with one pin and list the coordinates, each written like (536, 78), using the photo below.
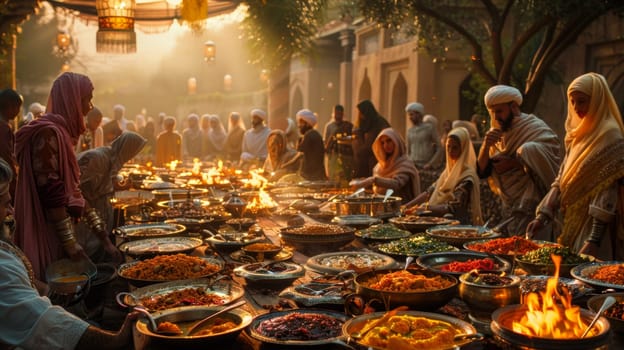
(225, 289)
(253, 328)
(163, 245)
(142, 231)
(142, 282)
(583, 271)
(349, 261)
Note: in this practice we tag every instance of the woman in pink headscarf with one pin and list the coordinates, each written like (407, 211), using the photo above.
(394, 169)
(47, 195)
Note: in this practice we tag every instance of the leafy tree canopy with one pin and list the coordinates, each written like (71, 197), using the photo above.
(277, 29)
(513, 42)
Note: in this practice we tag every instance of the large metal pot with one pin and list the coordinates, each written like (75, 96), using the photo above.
(504, 334)
(373, 206)
(428, 300)
(182, 316)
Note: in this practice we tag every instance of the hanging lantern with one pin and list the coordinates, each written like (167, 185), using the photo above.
(264, 75)
(116, 26)
(65, 67)
(191, 86)
(210, 51)
(63, 40)
(227, 82)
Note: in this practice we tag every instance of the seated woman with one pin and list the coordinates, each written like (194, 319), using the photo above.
(456, 192)
(394, 170)
(278, 162)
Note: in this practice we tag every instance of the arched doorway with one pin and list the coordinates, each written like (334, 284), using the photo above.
(398, 101)
(365, 92)
(297, 101)
(467, 106)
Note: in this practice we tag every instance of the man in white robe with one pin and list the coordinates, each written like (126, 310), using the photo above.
(255, 139)
(519, 156)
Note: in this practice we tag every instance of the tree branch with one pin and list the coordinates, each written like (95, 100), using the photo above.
(477, 50)
(506, 69)
(496, 32)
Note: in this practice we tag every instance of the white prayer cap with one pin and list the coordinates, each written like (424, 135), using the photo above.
(307, 116)
(258, 113)
(502, 94)
(36, 107)
(415, 107)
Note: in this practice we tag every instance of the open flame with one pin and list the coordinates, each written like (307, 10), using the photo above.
(263, 200)
(196, 166)
(551, 314)
(172, 166)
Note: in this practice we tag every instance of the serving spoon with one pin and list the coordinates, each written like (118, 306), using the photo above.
(152, 323)
(196, 325)
(608, 302)
(360, 335)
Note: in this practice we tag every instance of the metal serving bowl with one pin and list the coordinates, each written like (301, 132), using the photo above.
(483, 298)
(429, 300)
(509, 339)
(594, 303)
(240, 317)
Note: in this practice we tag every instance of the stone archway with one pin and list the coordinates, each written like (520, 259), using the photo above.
(398, 101)
(297, 101)
(365, 91)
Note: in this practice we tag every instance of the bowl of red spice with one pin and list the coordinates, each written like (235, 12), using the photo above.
(506, 247)
(457, 263)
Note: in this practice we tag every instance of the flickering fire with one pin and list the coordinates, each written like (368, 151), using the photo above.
(263, 201)
(551, 314)
(196, 166)
(172, 166)
(257, 180)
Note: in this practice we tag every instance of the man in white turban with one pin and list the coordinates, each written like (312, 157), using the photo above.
(255, 139)
(423, 141)
(311, 148)
(519, 156)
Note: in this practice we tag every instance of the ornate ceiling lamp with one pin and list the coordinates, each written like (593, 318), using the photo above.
(210, 51)
(116, 26)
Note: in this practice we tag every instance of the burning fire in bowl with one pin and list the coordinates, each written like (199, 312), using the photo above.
(549, 320)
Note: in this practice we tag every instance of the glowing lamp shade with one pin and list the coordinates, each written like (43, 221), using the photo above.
(210, 51)
(191, 86)
(227, 82)
(63, 40)
(116, 26)
(115, 14)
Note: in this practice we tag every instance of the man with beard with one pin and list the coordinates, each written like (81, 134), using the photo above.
(254, 149)
(310, 147)
(339, 156)
(519, 156)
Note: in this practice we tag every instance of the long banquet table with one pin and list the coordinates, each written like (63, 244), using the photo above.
(259, 301)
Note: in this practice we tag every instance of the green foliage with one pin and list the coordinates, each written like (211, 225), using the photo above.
(507, 41)
(277, 29)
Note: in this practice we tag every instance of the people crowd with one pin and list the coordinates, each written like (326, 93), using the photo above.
(59, 164)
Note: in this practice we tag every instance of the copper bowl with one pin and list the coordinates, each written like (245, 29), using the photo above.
(424, 301)
(503, 333)
(261, 251)
(240, 317)
(316, 239)
(481, 297)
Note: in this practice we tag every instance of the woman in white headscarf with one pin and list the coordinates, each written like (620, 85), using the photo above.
(234, 140)
(588, 191)
(456, 192)
(394, 169)
(98, 177)
(215, 139)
